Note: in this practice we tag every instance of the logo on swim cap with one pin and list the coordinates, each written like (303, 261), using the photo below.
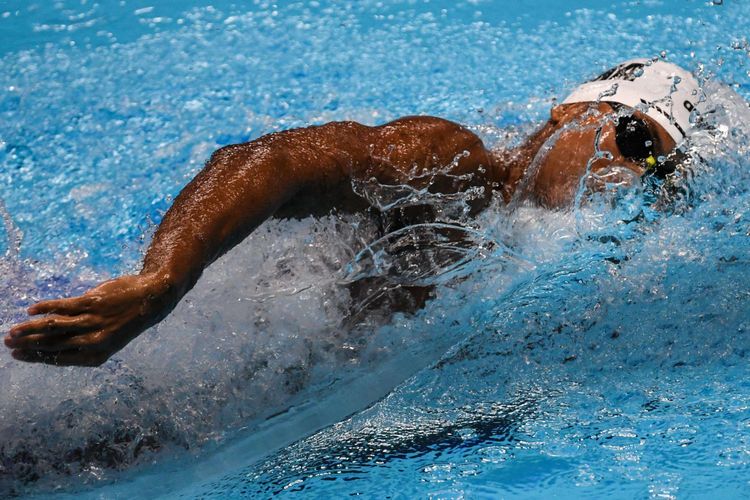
(665, 92)
(625, 71)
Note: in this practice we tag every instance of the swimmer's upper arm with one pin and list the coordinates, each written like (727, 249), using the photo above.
(393, 151)
(421, 151)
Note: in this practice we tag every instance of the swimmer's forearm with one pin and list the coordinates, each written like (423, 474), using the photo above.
(211, 210)
(240, 187)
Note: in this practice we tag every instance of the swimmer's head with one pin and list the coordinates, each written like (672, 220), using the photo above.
(662, 91)
(621, 125)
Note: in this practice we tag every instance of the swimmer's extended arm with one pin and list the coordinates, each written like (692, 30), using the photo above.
(240, 187)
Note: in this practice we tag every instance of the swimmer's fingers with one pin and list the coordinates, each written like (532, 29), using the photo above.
(74, 305)
(87, 330)
(53, 325)
(71, 357)
(49, 343)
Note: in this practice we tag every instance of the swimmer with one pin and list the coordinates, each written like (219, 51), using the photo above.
(635, 113)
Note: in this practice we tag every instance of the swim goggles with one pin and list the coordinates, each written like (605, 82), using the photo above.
(636, 142)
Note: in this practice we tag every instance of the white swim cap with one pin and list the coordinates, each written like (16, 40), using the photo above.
(663, 91)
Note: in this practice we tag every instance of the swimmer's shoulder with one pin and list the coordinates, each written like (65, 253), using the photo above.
(429, 142)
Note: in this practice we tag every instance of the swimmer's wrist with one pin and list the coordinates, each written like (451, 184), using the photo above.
(163, 284)
(173, 281)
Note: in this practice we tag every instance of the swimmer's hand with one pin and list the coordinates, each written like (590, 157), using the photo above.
(87, 330)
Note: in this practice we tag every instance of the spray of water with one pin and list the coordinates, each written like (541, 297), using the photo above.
(529, 307)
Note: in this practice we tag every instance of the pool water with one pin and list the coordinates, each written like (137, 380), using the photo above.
(596, 351)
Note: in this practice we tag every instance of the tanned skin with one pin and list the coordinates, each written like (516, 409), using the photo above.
(243, 185)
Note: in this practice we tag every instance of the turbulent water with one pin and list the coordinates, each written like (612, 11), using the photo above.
(593, 351)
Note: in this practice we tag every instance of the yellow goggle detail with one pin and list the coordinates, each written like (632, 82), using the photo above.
(651, 161)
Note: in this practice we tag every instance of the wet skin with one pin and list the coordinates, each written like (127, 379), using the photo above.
(295, 171)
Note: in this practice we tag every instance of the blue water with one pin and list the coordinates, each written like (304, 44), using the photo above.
(575, 355)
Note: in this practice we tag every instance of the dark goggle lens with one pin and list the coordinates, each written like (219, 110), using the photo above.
(634, 138)
(636, 143)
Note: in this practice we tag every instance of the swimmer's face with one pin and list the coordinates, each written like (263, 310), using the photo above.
(586, 138)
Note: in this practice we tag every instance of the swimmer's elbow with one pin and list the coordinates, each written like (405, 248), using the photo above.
(226, 154)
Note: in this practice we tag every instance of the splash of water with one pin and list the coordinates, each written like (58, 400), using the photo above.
(261, 333)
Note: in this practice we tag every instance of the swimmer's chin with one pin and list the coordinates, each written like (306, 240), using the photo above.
(87, 330)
